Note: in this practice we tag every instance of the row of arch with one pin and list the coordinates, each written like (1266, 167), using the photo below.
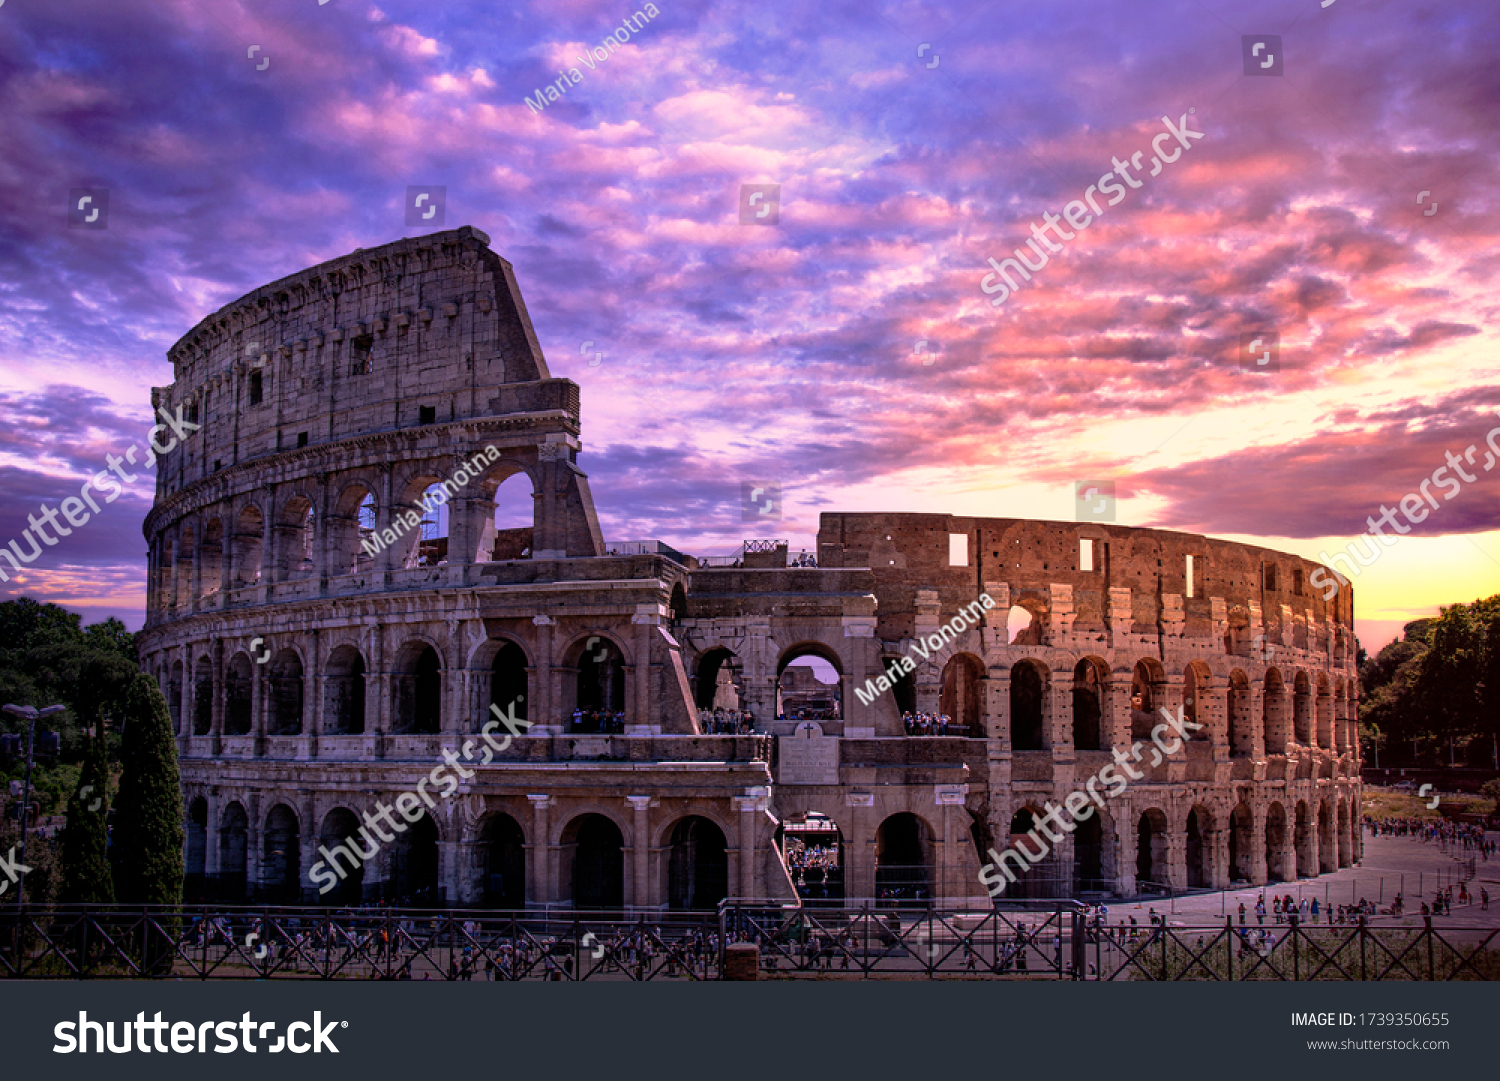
(1313, 711)
(251, 544)
(1315, 837)
(407, 871)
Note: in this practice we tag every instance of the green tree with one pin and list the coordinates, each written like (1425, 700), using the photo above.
(148, 810)
(1492, 790)
(86, 878)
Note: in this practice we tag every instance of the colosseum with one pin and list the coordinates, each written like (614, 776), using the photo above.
(326, 631)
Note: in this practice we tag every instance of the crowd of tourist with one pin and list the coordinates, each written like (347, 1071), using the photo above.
(1462, 835)
(598, 720)
(726, 722)
(928, 724)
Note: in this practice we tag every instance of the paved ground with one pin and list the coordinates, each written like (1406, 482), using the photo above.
(1391, 865)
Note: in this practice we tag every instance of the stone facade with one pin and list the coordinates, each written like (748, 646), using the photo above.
(314, 670)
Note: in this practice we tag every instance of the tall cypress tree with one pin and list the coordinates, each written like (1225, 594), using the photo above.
(86, 878)
(148, 809)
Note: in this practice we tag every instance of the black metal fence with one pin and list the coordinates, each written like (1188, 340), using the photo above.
(1040, 940)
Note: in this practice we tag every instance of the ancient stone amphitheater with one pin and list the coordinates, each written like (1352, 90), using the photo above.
(324, 633)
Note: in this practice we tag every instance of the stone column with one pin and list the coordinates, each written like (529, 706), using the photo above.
(252, 847)
(196, 579)
(543, 708)
(377, 696)
(216, 724)
(1061, 737)
(749, 807)
(211, 840)
(640, 844)
(1258, 869)
(385, 562)
(540, 874)
(321, 524)
(258, 698)
(307, 845)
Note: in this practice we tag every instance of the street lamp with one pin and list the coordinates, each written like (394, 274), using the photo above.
(31, 714)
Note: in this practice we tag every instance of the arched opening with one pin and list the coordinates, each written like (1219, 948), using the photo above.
(244, 556)
(1147, 679)
(961, 695)
(1273, 713)
(1026, 687)
(510, 533)
(503, 862)
(509, 682)
(1089, 679)
(344, 693)
(1041, 878)
(720, 680)
(1302, 709)
(211, 558)
(296, 536)
(195, 856)
(237, 686)
(1151, 868)
(341, 828)
(903, 687)
(174, 697)
(427, 546)
(1302, 841)
(1241, 842)
(203, 696)
(903, 860)
(286, 694)
(166, 581)
(809, 686)
(593, 856)
(417, 690)
(697, 865)
(281, 858)
(1088, 856)
(1023, 627)
(234, 848)
(183, 589)
(1196, 682)
(678, 604)
(813, 848)
(1323, 714)
(1276, 869)
(1346, 837)
(600, 687)
(414, 866)
(1199, 849)
(1241, 721)
(353, 542)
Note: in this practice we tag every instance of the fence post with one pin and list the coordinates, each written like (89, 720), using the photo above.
(1229, 947)
(723, 939)
(1431, 971)
(1296, 952)
(1363, 928)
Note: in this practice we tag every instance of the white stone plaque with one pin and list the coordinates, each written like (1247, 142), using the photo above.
(807, 756)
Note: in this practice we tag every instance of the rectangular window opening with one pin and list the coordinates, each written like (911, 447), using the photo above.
(427, 414)
(1085, 553)
(958, 549)
(1190, 580)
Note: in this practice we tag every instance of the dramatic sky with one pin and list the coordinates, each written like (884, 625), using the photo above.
(911, 142)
